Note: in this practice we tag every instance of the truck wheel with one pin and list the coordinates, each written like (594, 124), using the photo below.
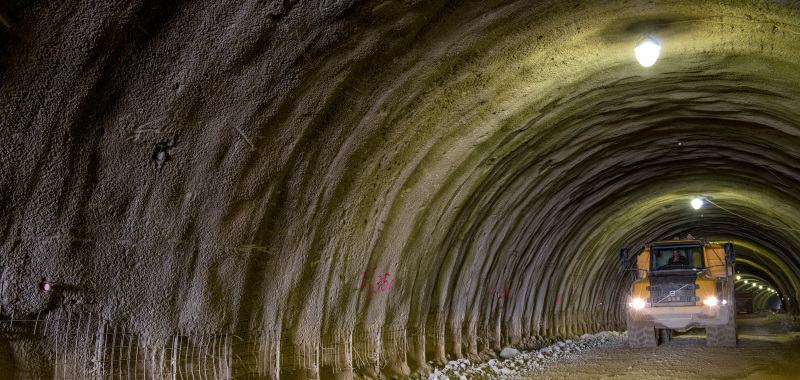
(723, 335)
(640, 335)
(664, 335)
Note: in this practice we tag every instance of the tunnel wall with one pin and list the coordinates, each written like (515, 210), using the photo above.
(373, 186)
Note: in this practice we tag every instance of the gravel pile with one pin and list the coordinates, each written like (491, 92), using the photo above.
(521, 362)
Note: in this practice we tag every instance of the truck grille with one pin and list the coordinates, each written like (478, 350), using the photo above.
(672, 293)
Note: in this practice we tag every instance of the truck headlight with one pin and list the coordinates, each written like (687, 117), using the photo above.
(637, 303)
(710, 301)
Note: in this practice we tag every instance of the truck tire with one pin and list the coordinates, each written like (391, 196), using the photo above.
(723, 335)
(641, 335)
(664, 335)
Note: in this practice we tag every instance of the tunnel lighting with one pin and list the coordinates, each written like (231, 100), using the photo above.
(697, 203)
(637, 303)
(745, 281)
(647, 52)
(761, 287)
(739, 278)
(710, 301)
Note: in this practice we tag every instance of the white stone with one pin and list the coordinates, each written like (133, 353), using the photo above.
(509, 353)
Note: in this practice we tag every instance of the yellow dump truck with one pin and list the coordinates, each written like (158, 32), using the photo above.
(680, 285)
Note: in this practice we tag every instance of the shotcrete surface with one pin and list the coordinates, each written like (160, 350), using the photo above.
(438, 179)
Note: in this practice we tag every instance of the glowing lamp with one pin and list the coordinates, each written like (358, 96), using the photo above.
(637, 303)
(697, 203)
(647, 52)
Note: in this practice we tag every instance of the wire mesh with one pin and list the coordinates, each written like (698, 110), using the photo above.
(255, 355)
(337, 351)
(199, 356)
(367, 348)
(87, 347)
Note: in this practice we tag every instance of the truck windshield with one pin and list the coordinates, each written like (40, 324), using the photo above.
(676, 257)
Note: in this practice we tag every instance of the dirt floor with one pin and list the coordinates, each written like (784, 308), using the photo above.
(769, 348)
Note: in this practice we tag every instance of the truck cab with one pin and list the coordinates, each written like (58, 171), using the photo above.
(680, 285)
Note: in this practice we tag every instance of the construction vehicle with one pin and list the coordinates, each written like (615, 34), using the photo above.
(680, 285)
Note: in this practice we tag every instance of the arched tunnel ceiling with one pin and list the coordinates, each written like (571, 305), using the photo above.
(204, 166)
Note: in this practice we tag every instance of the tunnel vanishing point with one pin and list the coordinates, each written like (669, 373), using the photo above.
(336, 188)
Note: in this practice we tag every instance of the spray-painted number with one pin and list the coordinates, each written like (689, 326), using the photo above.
(382, 284)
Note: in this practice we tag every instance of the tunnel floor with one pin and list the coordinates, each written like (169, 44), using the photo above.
(769, 345)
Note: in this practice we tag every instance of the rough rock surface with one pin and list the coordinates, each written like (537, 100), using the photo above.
(370, 186)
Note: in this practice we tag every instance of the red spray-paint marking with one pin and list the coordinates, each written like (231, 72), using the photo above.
(383, 284)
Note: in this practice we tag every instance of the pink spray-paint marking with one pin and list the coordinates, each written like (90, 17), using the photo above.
(379, 285)
(361, 285)
(502, 295)
(383, 284)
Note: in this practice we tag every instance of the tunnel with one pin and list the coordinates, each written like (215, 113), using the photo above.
(343, 188)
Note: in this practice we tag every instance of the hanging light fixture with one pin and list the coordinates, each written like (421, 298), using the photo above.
(647, 51)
